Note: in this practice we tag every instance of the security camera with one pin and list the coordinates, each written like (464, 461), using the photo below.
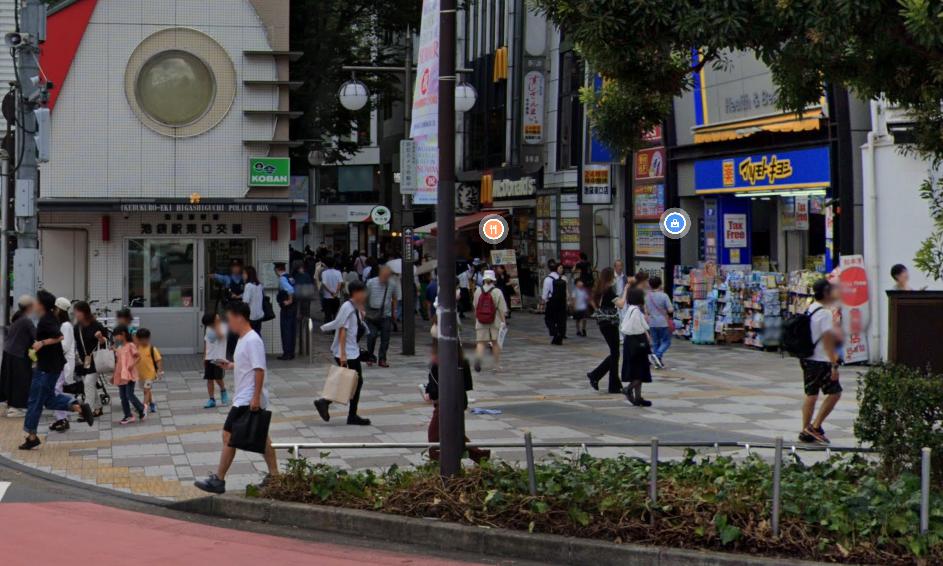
(16, 39)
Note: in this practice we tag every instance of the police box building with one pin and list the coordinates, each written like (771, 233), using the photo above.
(169, 156)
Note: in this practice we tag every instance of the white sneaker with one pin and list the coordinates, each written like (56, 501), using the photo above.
(14, 413)
(653, 359)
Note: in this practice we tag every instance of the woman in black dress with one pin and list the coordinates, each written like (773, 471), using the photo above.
(607, 316)
(16, 370)
(637, 345)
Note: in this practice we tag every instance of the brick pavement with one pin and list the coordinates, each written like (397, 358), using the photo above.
(708, 393)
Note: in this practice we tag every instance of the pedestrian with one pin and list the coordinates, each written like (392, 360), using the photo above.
(126, 374)
(432, 295)
(586, 271)
(90, 335)
(150, 366)
(370, 270)
(249, 371)
(580, 306)
(61, 424)
(125, 318)
(348, 327)
(465, 281)
(305, 291)
(430, 394)
(503, 283)
(50, 362)
(383, 295)
(554, 297)
(252, 296)
(490, 317)
(331, 281)
(636, 368)
(288, 310)
(660, 311)
(215, 332)
(901, 278)
(621, 280)
(15, 369)
(360, 263)
(234, 285)
(820, 371)
(607, 317)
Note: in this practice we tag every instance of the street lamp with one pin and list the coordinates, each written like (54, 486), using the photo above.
(353, 95)
(465, 97)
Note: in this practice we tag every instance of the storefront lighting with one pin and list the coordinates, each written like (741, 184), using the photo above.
(353, 95)
(802, 193)
(465, 97)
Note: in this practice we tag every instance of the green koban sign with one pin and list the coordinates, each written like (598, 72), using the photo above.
(269, 172)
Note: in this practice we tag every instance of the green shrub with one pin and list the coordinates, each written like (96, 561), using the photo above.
(900, 412)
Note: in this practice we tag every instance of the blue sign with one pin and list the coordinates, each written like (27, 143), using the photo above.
(776, 170)
(598, 151)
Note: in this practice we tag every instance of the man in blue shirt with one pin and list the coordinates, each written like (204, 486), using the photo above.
(288, 315)
(234, 285)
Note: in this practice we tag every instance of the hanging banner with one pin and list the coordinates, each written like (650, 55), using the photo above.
(829, 239)
(534, 107)
(425, 125)
(802, 213)
(855, 313)
(596, 188)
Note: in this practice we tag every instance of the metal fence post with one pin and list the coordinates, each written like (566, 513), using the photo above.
(777, 477)
(310, 342)
(531, 471)
(925, 491)
(653, 476)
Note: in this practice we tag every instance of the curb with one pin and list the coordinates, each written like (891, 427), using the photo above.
(432, 533)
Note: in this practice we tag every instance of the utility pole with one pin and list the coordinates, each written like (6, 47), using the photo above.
(409, 285)
(31, 31)
(451, 389)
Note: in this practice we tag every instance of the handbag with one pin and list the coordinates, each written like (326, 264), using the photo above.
(375, 315)
(340, 385)
(250, 431)
(104, 360)
(268, 313)
(669, 318)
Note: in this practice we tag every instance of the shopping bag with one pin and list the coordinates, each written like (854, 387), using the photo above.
(502, 334)
(104, 359)
(250, 431)
(340, 385)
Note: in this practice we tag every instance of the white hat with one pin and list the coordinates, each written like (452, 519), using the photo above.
(488, 276)
(63, 304)
(25, 301)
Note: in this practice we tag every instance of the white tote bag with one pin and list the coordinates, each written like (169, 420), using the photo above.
(104, 359)
(340, 385)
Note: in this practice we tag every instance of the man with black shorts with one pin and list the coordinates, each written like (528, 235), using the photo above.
(248, 367)
(820, 371)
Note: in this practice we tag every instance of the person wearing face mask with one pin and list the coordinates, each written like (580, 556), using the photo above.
(490, 316)
(15, 370)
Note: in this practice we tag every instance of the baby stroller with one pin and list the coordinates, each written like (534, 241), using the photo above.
(102, 389)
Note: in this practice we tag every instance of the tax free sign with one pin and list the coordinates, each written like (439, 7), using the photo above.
(269, 172)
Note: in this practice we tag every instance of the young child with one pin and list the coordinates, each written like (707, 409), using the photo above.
(126, 319)
(580, 307)
(150, 366)
(126, 373)
(431, 395)
(214, 348)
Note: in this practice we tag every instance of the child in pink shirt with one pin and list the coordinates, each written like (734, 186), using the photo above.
(126, 374)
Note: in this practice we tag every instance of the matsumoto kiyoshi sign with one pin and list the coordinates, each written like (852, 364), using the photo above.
(269, 172)
(775, 170)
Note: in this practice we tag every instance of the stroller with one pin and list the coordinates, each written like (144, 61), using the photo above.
(101, 388)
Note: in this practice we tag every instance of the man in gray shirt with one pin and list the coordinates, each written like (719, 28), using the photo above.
(382, 295)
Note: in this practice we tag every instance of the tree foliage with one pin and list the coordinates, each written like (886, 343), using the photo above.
(875, 48)
(334, 33)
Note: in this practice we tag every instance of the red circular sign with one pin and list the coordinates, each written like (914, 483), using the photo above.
(854, 286)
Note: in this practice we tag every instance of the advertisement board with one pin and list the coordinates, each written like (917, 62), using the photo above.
(778, 170)
(648, 201)
(855, 312)
(649, 241)
(650, 164)
(425, 120)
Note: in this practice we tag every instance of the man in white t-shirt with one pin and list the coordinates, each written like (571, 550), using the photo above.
(820, 371)
(250, 394)
(331, 281)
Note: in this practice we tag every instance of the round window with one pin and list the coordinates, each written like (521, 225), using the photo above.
(175, 88)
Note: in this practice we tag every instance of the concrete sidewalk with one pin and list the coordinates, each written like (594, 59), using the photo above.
(708, 393)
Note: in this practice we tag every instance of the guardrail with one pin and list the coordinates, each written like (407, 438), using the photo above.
(528, 445)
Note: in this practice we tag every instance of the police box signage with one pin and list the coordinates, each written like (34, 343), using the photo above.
(269, 172)
(775, 170)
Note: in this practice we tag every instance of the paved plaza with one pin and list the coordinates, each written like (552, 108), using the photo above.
(707, 393)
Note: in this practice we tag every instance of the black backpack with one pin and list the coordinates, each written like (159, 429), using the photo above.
(797, 335)
(558, 294)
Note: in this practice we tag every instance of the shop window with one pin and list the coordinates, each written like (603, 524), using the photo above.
(160, 273)
(570, 115)
(348, 184)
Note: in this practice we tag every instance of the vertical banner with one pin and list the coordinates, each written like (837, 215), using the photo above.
(855, 313)
(829, 239)
(534, 107)
(425, 125)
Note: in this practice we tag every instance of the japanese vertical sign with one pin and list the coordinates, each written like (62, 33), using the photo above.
(534, 107)
(425, 125)
(855, 313)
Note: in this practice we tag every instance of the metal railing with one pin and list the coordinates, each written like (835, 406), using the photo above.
(528, 445)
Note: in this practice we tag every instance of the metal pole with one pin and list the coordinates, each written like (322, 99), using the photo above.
(310, 342)
(409, 284)
(4, 242)
(653, 476)
(777, 478)
(925, 491)
(531, 471)
(451, 413)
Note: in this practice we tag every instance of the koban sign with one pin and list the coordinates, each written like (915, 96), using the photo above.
(269, 172)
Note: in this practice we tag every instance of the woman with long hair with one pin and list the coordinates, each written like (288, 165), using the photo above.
(607, 317)
(15, 370)
(90, 335)
(636, 367)
(252, 296)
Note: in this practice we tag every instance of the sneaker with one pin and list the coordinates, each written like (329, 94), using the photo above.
(592, 382)
(142, 414)
(644, 402)
(211, 484)
(127, 420)
(653, 359)
(61, 425)
(806, 437)
(477, 364)
(817, 434)
(211, 403)
(30, 443)
(14, 413)
(88, 416)
(358, 420)
(322, 405)
(152, 408)
(224, 397)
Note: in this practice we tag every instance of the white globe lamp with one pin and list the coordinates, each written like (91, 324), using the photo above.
(353, 95)
(465, 97)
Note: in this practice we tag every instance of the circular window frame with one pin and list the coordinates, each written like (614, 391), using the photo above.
(186, 54)
(195, 44)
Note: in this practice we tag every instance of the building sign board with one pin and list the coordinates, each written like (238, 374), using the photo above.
(269, 172)
(650, 164)
(776, 170)
(596, 188)
(534, 107)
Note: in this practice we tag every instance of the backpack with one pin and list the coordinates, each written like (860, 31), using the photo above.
(487, 310)
(558, 294)
(797, 335)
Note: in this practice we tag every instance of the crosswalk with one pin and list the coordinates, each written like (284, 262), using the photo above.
(4, 486)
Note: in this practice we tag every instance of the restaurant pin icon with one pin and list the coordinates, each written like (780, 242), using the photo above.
(493, 229)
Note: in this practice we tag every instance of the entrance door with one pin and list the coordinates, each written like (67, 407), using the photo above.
(65, 262)
(217, 256)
